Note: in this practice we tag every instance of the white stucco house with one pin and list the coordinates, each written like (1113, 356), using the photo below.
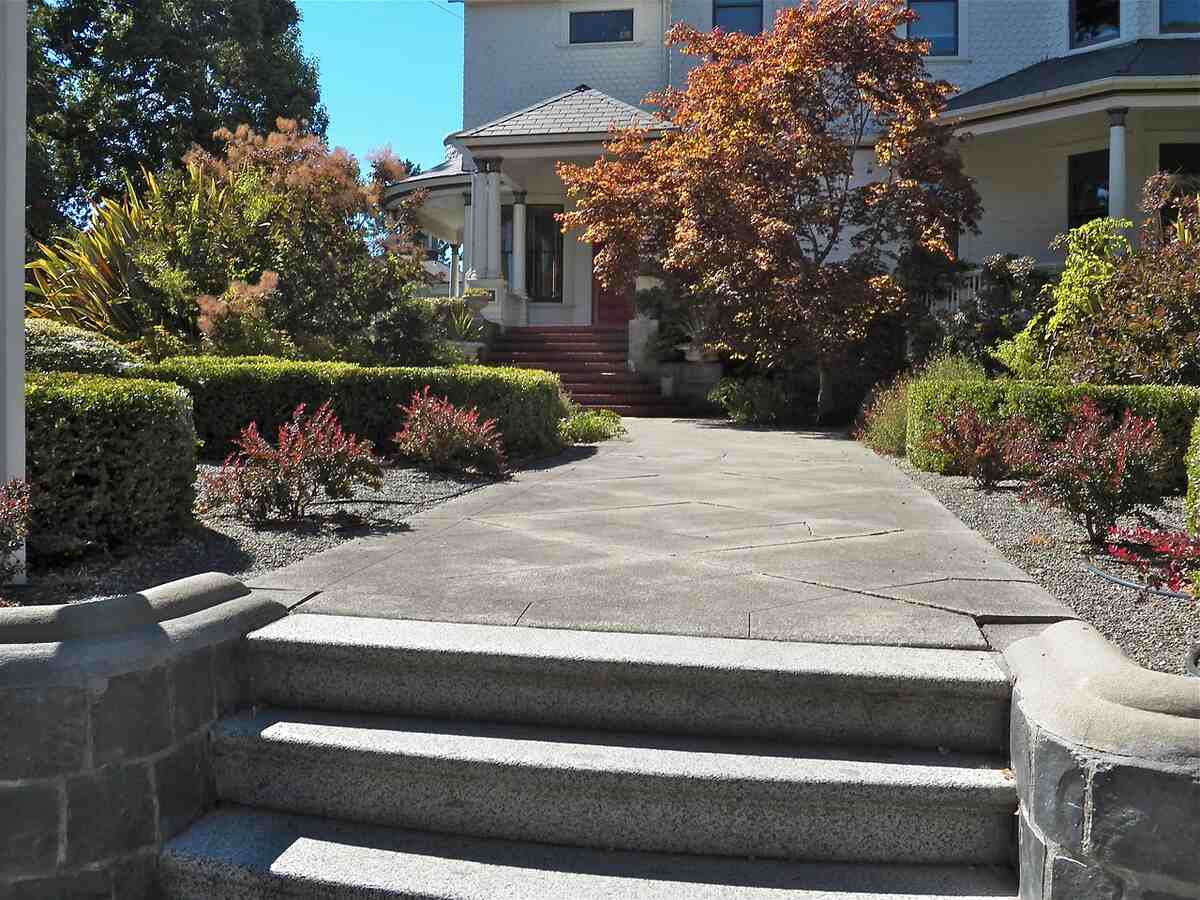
(1070, 105)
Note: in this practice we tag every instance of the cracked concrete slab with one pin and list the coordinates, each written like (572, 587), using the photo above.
(691, 527)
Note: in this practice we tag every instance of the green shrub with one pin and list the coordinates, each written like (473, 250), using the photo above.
(1192, 501)
(109, 460)
(883, 425)
(1048, 408)
(231, 392)
(590, 426)
(751, 401)
(54, 347)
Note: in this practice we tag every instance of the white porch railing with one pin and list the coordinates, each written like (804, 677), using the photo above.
(950, 299)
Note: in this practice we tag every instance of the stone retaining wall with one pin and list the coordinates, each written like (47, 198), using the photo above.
(1107, 760)
(104, 716)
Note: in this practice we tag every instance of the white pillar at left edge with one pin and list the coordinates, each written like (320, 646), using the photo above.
(12, 240)
(1118, 189)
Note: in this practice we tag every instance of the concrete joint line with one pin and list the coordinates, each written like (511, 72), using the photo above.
(820, 540)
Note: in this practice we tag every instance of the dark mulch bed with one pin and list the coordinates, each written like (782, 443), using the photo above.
(219, 542)
(1154, 631)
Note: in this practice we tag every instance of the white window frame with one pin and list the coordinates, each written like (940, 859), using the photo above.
(601, 6)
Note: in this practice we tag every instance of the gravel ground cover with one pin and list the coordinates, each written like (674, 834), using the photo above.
(1155, 631)
(219, 542)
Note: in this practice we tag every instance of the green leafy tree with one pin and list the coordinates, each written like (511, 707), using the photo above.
(120, 85)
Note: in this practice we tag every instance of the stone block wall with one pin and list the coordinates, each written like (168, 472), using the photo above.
(1107, 761)
(104, 753)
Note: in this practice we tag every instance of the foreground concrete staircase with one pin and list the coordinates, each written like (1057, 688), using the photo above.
(590, 362)
(398, 759)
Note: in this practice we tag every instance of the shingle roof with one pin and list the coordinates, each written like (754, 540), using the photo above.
(582, 110)
(1145, 58)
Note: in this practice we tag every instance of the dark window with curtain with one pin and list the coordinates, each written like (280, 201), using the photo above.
(543, 254)
(506, 240)
(1179, 16)
(1087, 177)
(1094, 21)
(603, 26)
(937, 23)
(745, 16)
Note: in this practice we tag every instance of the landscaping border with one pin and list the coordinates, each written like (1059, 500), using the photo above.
(230, 392)
(1107, 760)
(1047, 407)
(105, 708)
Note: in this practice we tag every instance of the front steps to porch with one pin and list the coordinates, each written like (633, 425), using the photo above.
(400, 759)
(590, 362)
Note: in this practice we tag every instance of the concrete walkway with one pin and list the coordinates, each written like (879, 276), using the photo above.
(692, 527)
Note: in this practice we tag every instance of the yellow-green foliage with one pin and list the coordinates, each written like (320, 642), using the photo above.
(109, 460)
(1192, 501)
(590, 426)
(1048, 408)
(231, 392)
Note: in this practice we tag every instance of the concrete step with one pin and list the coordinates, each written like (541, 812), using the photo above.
(565, 331)
(626, 388)
(617, 343)
(778, 690)
(595, 399)
(608, 790)
(236, 852)
(548, 358)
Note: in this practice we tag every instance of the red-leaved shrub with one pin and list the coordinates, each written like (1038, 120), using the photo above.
(263, 481)
(440, 435)
(1100, 470)
(989, 452)
(14, 526)
(1166, 559)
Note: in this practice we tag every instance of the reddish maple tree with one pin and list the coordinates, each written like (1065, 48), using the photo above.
(800, 163)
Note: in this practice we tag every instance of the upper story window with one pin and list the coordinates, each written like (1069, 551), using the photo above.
(1094, 21)
(937, 23)
(745, 16)
(1179, 16)
(602, 26)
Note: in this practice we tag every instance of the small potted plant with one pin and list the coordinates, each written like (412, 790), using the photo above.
(464, 331)
(693, 326)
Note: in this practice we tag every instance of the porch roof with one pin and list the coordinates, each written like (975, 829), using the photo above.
(580, 111)
(1148, 58)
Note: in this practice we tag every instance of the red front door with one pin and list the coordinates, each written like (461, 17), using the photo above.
(612, 306)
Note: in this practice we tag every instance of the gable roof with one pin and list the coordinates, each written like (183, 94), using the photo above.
(1144, 58)
(581, 110)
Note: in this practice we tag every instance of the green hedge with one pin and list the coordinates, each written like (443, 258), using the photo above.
(1192, 501)
(231, 392)
(54, 347)
(109, 460)
(1047, 406)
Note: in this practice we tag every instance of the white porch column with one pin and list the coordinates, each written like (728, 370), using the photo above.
(1118, 188)
(454, 282)
(491, 169)
(12, 240)
(468, 250)
(517, 275)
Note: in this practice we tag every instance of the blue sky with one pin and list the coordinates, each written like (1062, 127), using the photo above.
(391, 72)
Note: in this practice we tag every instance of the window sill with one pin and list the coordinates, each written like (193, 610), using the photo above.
(599, 45)
(1088, 48)
(946, 59)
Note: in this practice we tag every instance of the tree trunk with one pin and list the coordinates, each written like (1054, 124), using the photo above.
(824, 392)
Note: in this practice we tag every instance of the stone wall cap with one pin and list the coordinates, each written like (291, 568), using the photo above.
(1077, 685)
(92, 618)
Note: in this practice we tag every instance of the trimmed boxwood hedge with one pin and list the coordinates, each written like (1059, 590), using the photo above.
(109, 460)
(231, 392)
(1048, 407)
(55, 347)
(1192, 501)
